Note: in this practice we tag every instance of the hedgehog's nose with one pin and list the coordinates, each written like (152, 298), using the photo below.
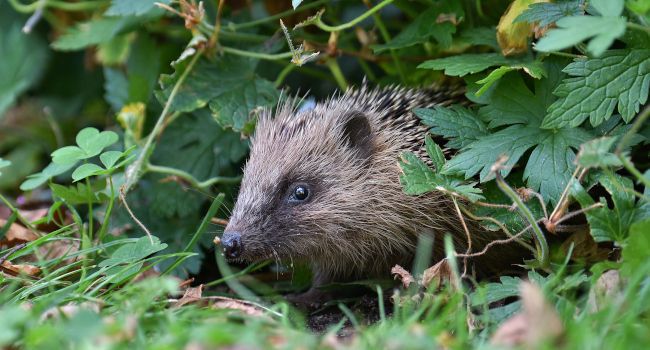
(232, 246)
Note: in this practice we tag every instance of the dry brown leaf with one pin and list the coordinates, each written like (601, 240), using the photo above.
(513, 37)
(434, 277)
(191, 295)
(538, 321)
(607, 288)
(403, 275)
(16, 234)
(19, 269)
(234, 304)
(585, 249)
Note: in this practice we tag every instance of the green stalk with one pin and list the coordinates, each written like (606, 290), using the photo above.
(319, 23)
(191, 179)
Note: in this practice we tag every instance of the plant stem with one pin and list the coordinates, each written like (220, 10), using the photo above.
(135, 171)
(191, 179)
(109, 210)
(639, 27)
(540, 240)
(278, 15)
(283, 74)
(57, 4)
(336, 72)
(638, 123)
(319, 23)
(260, 55)
(385, 35)
(630, 167)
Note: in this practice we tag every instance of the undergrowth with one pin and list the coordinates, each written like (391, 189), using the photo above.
(124, 126)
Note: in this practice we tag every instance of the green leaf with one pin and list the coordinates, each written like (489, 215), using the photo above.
(462, 65)
(424, 27)
(595, 153)
(620, 77)
(609, 224)
(295, 3)
(575, 29)
(50, 171)
(534, 68)
(635, 251)
(24, 58)
(608, 7)
(110, 158)
(86, 170)
(130, 7)
(547, 13)
(132, 252)
(93, 32)
(435, 153)
(417, 178)
(81, 194)
(456, 123)
(90, 143)
(200, 89)
(233, 109)
(4, 164)
(116, 87)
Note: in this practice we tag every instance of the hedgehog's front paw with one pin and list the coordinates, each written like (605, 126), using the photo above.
(309, 300)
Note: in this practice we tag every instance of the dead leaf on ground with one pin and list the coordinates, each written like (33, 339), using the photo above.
(434, 277)
(19, 269)
(585, 249)
(607, 289)
(16, 234)
(234, 304)
(403, 275)
(191, 295)
(538, 321)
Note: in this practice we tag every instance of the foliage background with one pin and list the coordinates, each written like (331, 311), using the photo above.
(559, 87)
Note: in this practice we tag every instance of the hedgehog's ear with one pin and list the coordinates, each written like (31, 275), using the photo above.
(357, 133)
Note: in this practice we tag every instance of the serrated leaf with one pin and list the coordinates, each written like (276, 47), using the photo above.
(86, 170)
(416, 178)
(547, 13)
(595, 153)
(609, 224)
(130, 7)
(551, 163)
(23, 62)
(620, 77)
(462, 65)
(200, 88)
(456, 123)
(235, 109)
(424, 27)
(92, 32)
(534, 68)
(575, 29)
(435, 153)
(110, 158)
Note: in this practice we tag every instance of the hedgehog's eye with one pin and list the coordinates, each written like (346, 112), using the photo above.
(300, 193)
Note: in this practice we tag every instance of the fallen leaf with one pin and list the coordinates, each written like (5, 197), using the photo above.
(403, 275)
(191, 295)
(513, 37)
(608, 288)
(19, 269)
(234, 304)
(434, 277)
(16, 234)
(537, 322)
(585, 249)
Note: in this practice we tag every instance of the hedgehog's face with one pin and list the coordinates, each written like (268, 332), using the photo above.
(297, 184)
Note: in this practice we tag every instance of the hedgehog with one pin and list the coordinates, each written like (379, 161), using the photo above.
(322, 186)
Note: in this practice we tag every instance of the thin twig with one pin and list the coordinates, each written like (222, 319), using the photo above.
(469, 237)
(137, 221)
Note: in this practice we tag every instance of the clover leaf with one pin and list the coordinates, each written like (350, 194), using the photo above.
(90, 143)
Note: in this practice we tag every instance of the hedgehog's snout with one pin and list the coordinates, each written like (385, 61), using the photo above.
(232, 244)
